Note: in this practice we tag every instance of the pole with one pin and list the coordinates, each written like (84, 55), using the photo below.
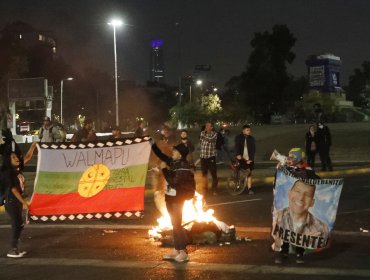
(190, 92)
(61, 101)
(115, 73)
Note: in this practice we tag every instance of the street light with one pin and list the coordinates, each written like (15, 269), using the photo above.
(61, 97)
(198, 83)
(115, 23)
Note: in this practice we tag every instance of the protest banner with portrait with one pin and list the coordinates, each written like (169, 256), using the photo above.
(87, 180)
(304, 210)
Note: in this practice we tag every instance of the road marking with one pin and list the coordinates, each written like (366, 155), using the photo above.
(147, 227)
(233, 268)
(354, 211)
(233, 202)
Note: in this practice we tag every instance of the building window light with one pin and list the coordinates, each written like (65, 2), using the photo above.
(20, 36)
(41, 37)
(54, 50)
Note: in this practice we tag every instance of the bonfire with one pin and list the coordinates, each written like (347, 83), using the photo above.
(200, 224)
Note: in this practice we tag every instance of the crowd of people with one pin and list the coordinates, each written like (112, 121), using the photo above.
(173, 158)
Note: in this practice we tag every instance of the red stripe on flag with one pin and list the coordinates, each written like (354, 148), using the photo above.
(115, 200)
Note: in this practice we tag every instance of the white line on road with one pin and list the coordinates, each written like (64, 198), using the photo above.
(147, 227)
(220, 267)
(354, 211)
(233, 202)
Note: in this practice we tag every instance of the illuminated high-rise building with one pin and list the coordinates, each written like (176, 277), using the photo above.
(156, 61)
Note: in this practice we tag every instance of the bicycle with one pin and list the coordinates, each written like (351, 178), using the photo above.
(236, 181)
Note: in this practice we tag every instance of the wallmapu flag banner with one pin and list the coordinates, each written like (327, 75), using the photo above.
(304, 210)
(102, 179)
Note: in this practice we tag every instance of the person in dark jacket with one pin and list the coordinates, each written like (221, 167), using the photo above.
(323, 146)
(245, 149)
(175, 195)
(185, 140)
(86, 133)
(311, 145)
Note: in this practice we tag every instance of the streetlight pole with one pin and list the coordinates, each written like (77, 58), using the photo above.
(115, 23)
(190, 92)
(61, 98)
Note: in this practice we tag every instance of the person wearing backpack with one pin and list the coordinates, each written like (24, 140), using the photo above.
(13, 184)
(180, 186)
(49, 133)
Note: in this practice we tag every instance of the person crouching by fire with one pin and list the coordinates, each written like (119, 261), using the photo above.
(180, 186)
(296, 217)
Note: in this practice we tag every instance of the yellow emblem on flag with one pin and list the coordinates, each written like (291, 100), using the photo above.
(93, 180)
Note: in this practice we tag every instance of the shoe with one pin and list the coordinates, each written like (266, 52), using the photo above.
(250, 191)
(299, 259)
(15, 253)
(182, 257)
(172, 255)
(280, 257)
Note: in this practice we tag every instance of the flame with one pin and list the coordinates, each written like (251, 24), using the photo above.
(192, 212)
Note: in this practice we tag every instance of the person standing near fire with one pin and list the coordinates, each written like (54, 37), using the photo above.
(245, 149)
(208, 140)
(180, 186)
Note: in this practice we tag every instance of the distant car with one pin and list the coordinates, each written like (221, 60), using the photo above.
(27, 128)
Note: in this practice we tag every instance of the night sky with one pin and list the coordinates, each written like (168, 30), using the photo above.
(195, 32)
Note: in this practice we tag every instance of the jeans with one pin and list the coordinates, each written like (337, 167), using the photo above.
(174, 208)
(311, 159)
(285, 249)
(14, 209)
(210, 164)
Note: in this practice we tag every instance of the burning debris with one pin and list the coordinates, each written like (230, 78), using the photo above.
(201, 226)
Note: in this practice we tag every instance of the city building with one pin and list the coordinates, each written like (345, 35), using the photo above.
(27, 36)
(157, 72)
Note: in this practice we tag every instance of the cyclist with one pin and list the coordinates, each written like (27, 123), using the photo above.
(245, 149)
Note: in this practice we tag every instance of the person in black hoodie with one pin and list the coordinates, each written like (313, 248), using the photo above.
(245, 149)
(323, 146)
(180, 186)
(311, 145)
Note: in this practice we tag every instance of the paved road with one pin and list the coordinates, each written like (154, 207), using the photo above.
(121, 250)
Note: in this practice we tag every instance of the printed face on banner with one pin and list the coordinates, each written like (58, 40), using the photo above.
(304, 210)
(301, 198)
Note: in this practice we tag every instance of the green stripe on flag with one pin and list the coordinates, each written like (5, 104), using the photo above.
(67, 182)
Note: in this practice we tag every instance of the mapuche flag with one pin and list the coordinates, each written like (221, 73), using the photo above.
(102, 179)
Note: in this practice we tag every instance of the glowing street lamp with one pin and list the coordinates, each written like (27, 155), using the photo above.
(198, 83)
(61, 97)
(115, 23)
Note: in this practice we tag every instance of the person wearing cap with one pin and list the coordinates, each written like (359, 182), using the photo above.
(180, 186)
(298, 216)
(86, 133)
(48, 133)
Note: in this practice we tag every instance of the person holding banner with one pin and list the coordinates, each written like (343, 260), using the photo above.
(296, 217)
(13, 164)
(180, 187)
